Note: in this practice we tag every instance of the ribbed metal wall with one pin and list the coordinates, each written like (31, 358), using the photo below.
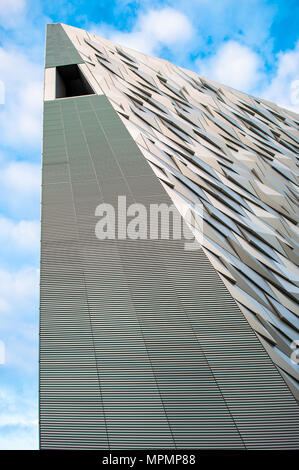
(59, 49)
(141, 345)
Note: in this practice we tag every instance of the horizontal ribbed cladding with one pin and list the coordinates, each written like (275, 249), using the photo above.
(257, 397)
(75, 382)
(134, 412)
(71, 414)
(193, 402)
(180, 299)
(59, 48)
(71, 411)
(141, 345)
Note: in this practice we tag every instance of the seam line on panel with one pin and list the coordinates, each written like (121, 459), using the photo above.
(86, 296)
(204, 355)
(129, 291)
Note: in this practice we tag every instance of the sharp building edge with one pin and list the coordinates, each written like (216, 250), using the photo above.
(144, 344)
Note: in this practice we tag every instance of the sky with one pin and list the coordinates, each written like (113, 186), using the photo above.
(251, 45)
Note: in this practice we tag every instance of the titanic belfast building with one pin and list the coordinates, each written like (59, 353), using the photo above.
(148, 341)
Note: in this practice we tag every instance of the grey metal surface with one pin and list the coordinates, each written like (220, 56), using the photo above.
(59, 48)
(231, 152)
(141, 344)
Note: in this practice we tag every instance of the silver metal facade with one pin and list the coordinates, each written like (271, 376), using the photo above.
(142, 343)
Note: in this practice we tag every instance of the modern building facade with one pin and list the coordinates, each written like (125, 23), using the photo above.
(144, 343)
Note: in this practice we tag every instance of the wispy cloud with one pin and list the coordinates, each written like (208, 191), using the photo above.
(18, 289)
(233, 64)
(20, 195)
(283, 89)
(21, 177)
(152, 31)
(11, 11)
(229, 42)
(21, 236)
(19, 320)
(238, 66)
(18, 419)
(20, 115)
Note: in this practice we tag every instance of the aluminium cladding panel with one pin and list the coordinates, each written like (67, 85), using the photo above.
(59, 48)
(141, 345)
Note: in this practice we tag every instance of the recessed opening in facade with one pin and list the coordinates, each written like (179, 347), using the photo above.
(70, 81)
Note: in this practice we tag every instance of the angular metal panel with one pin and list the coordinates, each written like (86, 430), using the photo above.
(141, 343)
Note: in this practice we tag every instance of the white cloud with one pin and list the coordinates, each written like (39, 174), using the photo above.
(153, 30)
(234, 65)
(18, 287)
(135, 40)
(284, 87)
(12, 6)
(18, 420)
(22, 177)
(20, 182)
(167, 26)
(21, 348)
(240, 67)
(4, 305)
(21, 114)
(20, 438)
(29, 111)
(10, 11)
(22, 236)
(19, 319)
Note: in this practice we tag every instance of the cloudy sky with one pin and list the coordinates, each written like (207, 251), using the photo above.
(251, 45)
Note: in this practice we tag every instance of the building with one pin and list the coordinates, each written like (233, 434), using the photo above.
(144, 343)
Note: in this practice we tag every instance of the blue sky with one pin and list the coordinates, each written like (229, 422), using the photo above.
(251, 45)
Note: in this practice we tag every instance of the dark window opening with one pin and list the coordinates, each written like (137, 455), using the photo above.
(70, 81)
